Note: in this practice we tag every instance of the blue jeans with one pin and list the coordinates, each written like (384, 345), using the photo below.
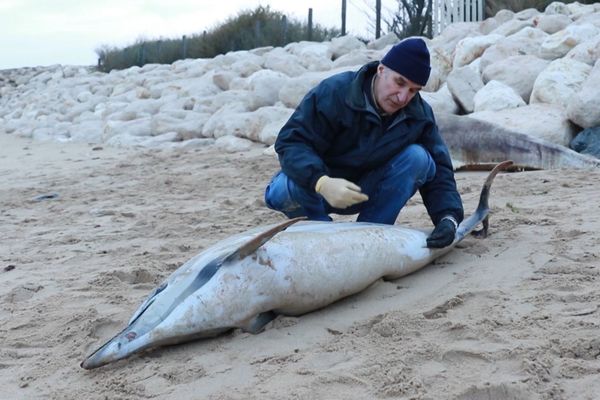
(389, 187)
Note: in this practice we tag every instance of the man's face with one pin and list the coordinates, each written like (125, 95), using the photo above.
(392, 90)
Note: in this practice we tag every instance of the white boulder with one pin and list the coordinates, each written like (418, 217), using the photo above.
(544, 121)
(584, 107)
(343, 45)
(558, 45)
(559, 82)
(471, 48)
(518, 72)
(496, 96)
(441, 101)
(232, 144)
(463, 83)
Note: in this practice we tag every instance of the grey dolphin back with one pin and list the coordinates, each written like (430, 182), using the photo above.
(481, 213)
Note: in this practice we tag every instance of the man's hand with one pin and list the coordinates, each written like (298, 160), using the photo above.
(339, 193)
(443, 234)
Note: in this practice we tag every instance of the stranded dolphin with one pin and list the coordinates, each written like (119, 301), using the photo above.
(291, 268)
(474, 142)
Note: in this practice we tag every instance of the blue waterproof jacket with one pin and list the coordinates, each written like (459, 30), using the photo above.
(336, 132)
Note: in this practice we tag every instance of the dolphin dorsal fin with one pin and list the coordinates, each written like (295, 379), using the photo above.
(252, 245)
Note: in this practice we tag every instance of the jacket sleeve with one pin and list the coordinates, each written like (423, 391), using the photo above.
(305, 137)
(440, 196)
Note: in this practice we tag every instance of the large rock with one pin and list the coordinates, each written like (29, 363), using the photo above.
(588, 18)
(559, 82)
(446, 41)
(295, 89)
(357, 58)
(441, 65)
(383, 42)
(87, 131)
(265, 86)
(558, 44)
(281, 61)
(312, 55)
(587, 142)
(441, 101)
(136, 127)
(223, 78)
(552, 23)
(488, 25)
(211, 104)
(582, 11)
(231, 119)
(274, 118)
(557, 8)
(527, 15)
(511, 26)
(544, 121)
(471, 48)
(187, 128)
(343, 45)
(504, 15)
(587, 52)
(518, 72)
(584, 107)
(232, 144)
(496, 96)
(247, 66)
(463, 83)
(525, 42)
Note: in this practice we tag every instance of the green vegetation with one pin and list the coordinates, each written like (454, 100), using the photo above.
(248, 30)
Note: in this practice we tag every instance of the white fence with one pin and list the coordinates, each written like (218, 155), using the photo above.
(446, 12)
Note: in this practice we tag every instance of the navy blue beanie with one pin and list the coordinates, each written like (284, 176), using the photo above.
(409, 58)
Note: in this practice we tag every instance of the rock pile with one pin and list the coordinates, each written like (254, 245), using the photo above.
(533, 72)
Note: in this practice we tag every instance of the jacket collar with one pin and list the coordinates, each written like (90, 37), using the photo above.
(356, 97)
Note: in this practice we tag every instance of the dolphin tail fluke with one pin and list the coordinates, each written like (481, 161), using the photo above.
(481, 213)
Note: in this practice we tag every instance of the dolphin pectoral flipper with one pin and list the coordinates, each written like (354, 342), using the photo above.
(257, 323)
(251, 246)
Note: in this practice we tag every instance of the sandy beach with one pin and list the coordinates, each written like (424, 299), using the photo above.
(87, 231)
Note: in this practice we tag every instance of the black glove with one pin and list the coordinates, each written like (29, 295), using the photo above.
(442, 235)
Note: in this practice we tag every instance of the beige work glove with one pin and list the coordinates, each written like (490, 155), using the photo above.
(339, 193)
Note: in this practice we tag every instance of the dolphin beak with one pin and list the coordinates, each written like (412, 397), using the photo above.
(109, 352)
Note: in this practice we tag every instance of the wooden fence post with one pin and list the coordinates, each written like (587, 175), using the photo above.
(310, 27)
(377, 19)
(257, 34)
(284, 29)
(142, 54)
(184, 46)
(343, 17)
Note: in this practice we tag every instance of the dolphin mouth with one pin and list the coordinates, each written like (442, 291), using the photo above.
(95, 360)
(102, 356)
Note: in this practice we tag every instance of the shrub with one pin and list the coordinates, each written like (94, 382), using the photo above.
(248, 30)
